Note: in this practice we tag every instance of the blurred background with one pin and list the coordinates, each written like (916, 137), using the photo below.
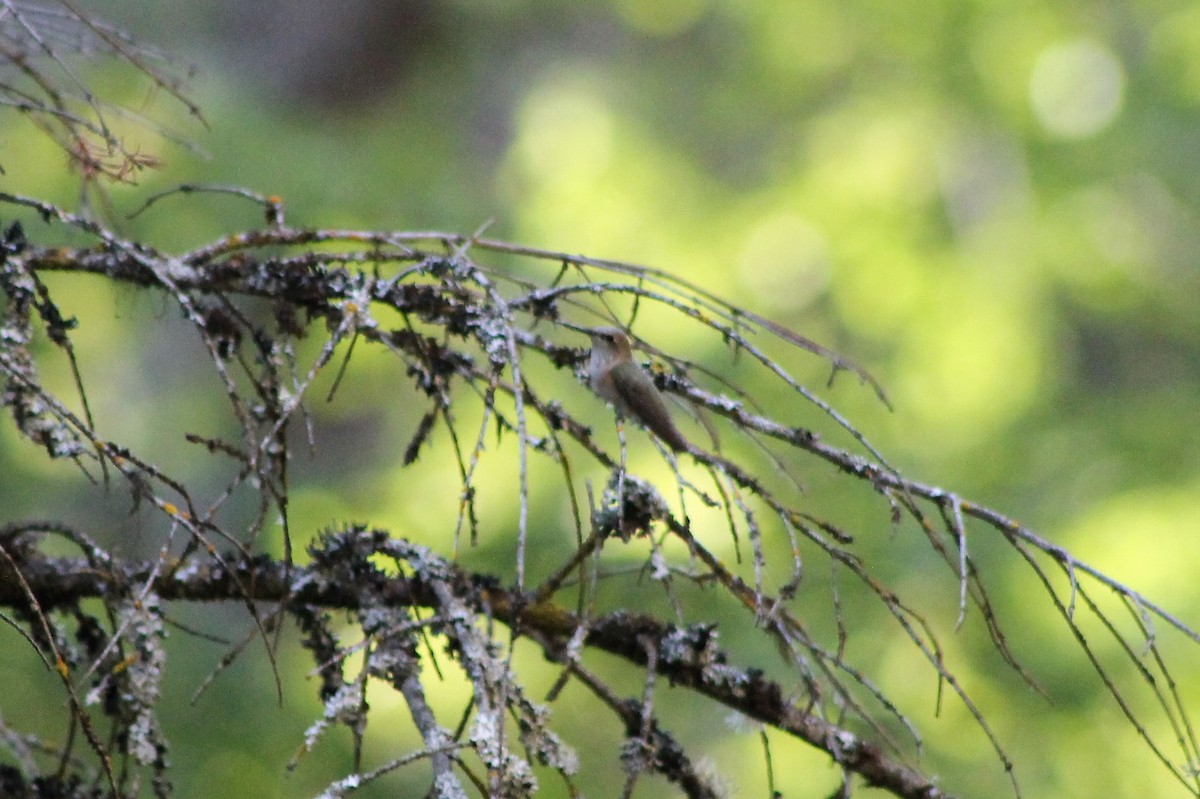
(992, 206)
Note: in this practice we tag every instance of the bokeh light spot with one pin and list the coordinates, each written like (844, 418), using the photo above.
(1077, 88)
(784, 261)
(566, 135)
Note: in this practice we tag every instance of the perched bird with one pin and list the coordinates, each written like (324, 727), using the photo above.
(624, 384)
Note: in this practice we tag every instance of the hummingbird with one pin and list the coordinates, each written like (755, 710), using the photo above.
(625, 385)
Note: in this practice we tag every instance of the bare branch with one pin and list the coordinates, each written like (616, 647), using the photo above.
(470, 338)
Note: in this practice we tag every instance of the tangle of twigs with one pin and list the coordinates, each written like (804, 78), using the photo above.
(41, 47)
(497, 371)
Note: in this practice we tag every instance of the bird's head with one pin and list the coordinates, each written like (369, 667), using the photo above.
(610, 345)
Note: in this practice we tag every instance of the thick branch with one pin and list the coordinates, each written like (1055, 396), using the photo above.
(688, 656)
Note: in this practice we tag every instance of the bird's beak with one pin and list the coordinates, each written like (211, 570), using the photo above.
(587, 331)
